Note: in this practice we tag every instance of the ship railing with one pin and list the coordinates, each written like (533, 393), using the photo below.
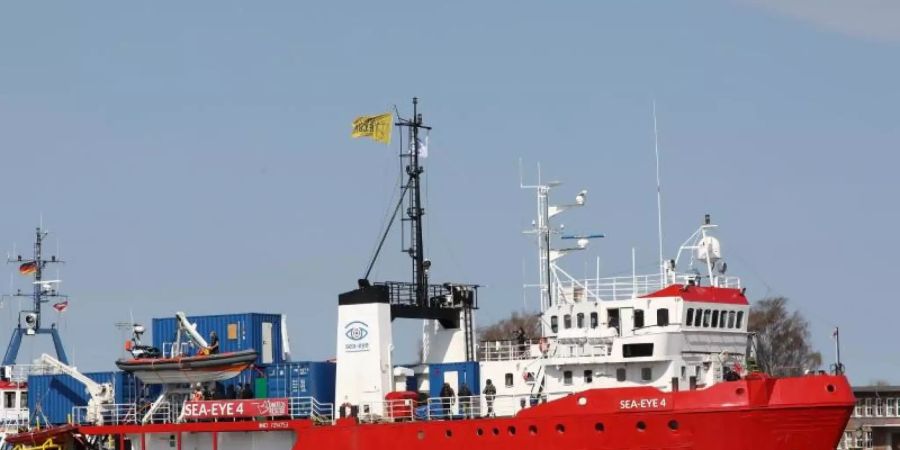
(175, 349)
(395, 410)
(508, 350)
(19, 373)
(14, 419)
(581, 348)
(309, 407)
(477, 406)
(133, 413)
(447, 295)
(118, 414)
(628, 287)
(567, 347)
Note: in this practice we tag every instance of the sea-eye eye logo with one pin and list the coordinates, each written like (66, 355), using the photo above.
(356, 330)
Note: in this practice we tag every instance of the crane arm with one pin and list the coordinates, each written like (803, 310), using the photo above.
(191, 330)
(95, 389)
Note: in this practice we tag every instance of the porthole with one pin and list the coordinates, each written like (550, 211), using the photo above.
(496, 431)
(598, 427)
(448, 433)
(479, 432)
(532, 430)
(582, 401)
(641, 426)
(560, 428)
(673, 424)
(511, 431)
(421, 435)
(739, 391)
(830, 388)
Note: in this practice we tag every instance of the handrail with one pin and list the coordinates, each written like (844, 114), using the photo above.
(475, 406)
(628, 287)
(132, 413)
(400, 410)
(508, 350)
(551, 347)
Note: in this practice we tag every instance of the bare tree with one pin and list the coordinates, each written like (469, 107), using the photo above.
(782, 338)
(505, 329)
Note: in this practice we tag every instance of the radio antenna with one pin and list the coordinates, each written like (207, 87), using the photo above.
(662, 270)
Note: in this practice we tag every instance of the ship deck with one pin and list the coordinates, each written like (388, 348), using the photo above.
(803, 412)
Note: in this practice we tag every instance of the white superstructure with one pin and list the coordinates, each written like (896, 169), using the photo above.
(674, 329)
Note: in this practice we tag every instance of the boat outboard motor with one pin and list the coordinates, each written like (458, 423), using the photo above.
(138, 350)
(145, 351)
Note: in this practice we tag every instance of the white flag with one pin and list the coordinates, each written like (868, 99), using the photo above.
(423, 147)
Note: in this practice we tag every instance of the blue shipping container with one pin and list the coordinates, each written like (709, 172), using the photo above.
(260, 332)
(302, 379)
(466, 373)
(52, 397)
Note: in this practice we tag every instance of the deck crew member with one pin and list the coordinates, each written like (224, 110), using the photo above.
(197, 395)
(520, 341)
(490, 391)
(465, 401)
(213, 343)
(447, 398)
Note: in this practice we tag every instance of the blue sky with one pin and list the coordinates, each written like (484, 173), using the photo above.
(197, 155)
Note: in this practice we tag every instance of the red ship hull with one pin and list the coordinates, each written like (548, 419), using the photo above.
(757, 413)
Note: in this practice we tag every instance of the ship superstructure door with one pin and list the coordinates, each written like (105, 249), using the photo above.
(626, 321)
(267, 350)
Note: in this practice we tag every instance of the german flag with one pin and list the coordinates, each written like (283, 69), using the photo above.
(28, 268)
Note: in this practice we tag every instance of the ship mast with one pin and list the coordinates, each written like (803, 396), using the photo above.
(414, 210)
(30, 321)
(449, 304)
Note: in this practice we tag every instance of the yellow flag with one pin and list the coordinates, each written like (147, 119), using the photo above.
(376, 127)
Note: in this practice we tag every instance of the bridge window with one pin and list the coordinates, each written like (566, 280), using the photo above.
(567, 321)
(715, 319)
(639, 318)
(9, 400)
(722, 317)
(588, 376)
(554, 324)
(579, 320)
(730, 319)
(595, 320)
(698, 318)
(646, 373)
(706, 316)
(690, 316)
(637, 350)
(620, 374)
(662, 317)
(509, 380)
(740, 318)
(567, 378)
